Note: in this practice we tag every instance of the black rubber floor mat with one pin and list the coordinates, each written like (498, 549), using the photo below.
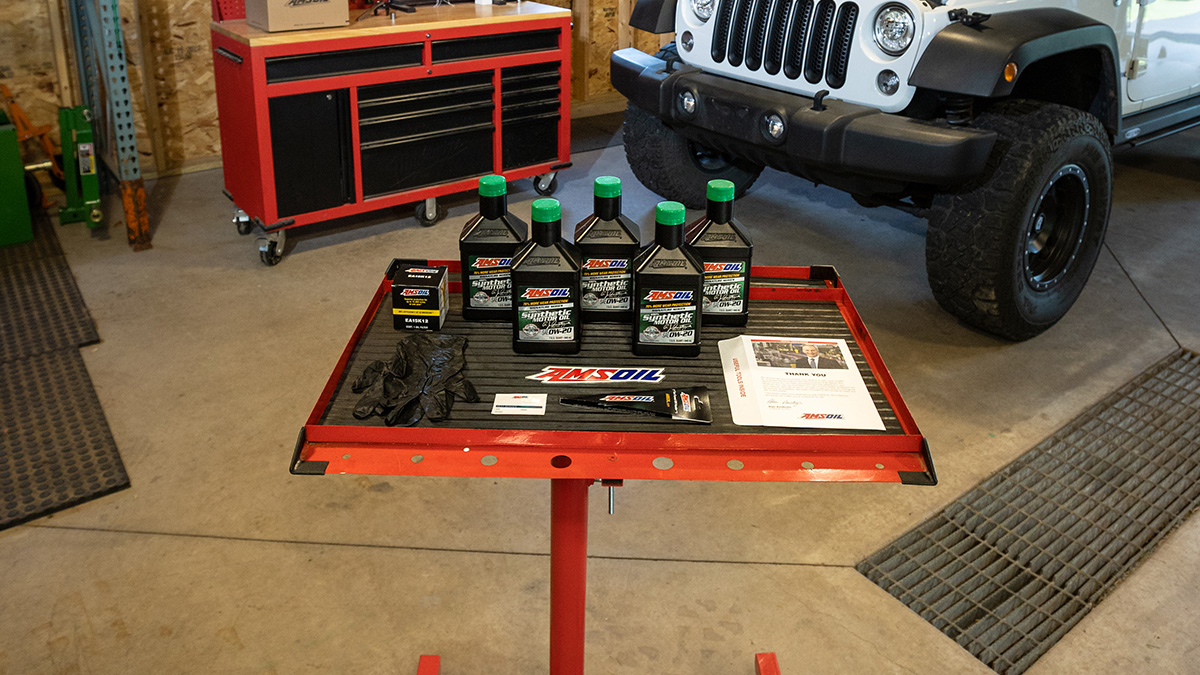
(56, 449)
(41, 309)
(1010, 567)
(44, 245)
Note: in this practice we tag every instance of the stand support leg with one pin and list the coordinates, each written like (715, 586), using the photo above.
(568, 573)
(429, 665)
(766, 664)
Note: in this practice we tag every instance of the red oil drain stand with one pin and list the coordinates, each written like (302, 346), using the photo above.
(573, 449)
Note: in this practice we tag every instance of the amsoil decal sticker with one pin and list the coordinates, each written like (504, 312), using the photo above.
(573, 375)
(625, 398)
(416, 291)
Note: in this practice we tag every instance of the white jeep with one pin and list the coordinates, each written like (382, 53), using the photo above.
(994, 119)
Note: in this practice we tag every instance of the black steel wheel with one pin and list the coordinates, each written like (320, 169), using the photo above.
(549, 189)
(1012, 253)
(425, 218)
(272, 255)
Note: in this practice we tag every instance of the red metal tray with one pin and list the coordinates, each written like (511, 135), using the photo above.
(799, 301)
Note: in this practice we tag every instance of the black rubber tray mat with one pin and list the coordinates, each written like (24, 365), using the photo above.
(493, 368)
(1010, 567)
(41, 309)
(56, 449)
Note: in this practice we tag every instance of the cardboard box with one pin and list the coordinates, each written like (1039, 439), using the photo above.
(277, 15)
(419, 300)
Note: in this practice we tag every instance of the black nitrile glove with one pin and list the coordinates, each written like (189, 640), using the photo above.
(422, 380)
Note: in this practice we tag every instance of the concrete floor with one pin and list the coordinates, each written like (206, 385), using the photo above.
(218, 561)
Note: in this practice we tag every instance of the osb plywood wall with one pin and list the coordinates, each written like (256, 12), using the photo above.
(170, 72)
(602, 27)
(27, 59)
(174, 62)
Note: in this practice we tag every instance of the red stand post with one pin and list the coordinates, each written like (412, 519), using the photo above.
(568, 573)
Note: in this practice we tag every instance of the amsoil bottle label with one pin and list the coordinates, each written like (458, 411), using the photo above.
(606, 283)
(545, 314)
(667, 317)
(724, 287)
(489, 281)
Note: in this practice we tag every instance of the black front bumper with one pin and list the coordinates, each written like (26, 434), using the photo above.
(842, 139)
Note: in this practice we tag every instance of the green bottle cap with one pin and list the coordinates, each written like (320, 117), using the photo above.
(608, 186)
(669, 213)
(492, 186)
(720, 190)
(546, 211)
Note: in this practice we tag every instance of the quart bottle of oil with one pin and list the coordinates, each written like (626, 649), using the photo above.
(720, 244)
(607, 243)
(545, 275)
(486, 248)
(667, 281)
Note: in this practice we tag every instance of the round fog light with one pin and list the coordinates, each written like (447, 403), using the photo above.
(773, 126)
(687, 41)
(888, 82)
(687, 102)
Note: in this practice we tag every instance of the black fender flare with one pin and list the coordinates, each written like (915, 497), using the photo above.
(971, 60)
(654, 16)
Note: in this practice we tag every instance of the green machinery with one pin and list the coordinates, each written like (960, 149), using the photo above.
(82, 182)
(19, 189)
(16, 226)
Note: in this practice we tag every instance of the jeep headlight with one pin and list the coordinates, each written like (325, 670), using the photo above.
(703, 9)
(894, 29)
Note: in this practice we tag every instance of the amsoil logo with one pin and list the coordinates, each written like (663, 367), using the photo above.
(718, 236)
(416, 291)
(569, 375)
(297, 3)
(658, 264)
(820, 416)
(628, 399)
(605, 264)
(668, 296)
(709, 268)
(540, 293)
(481, 263)
(686, 400)
(421, 270)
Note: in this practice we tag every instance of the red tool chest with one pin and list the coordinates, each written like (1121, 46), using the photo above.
(319, 124)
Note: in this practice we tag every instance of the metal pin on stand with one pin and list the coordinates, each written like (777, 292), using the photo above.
(612, 499)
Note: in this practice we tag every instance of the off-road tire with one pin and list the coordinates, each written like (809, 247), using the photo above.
(981, 251)
(670, 165)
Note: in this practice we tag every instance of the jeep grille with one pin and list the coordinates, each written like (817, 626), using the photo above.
(801, 37)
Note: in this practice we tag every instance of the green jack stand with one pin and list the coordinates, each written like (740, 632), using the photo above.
(16, 225)
(79, 168)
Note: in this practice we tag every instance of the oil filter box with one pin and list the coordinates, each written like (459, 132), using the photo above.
(277, 15)
(418, 295)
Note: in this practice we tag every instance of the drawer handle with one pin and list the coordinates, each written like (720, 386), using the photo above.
(228, 54)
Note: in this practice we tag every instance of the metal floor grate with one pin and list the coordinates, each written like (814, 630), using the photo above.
(1010, 567)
